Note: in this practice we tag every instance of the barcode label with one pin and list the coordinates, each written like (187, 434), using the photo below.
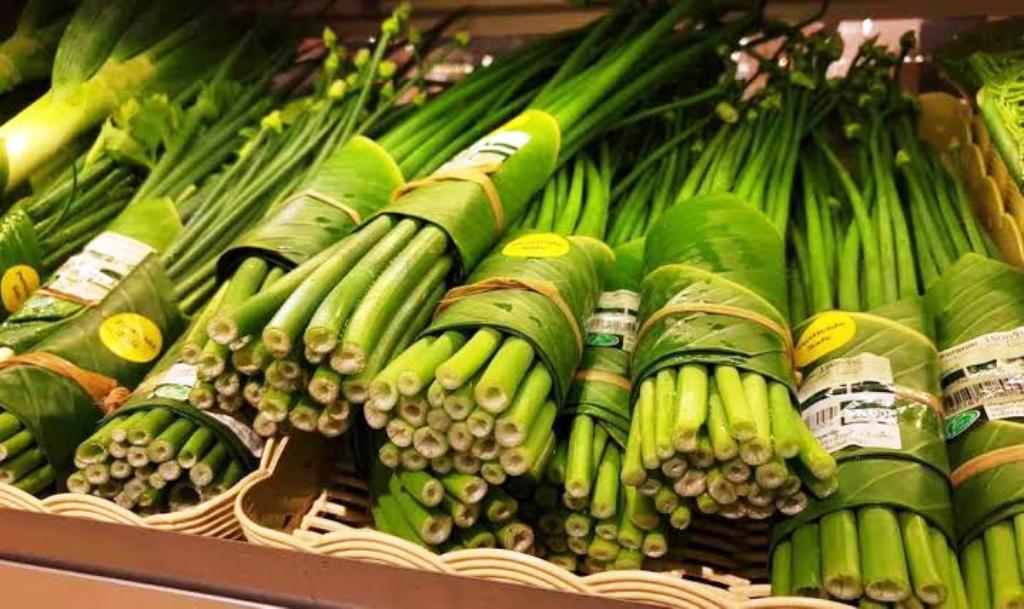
(868, 419)
(103, 264)
(983, 375)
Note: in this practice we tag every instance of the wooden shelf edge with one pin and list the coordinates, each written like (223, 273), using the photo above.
(247, 572)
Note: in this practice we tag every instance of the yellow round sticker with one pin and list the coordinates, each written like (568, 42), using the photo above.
(17, 284)
(537, 245)
(826, 333)
(132, 337)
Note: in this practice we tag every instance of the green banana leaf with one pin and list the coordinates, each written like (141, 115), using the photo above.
(58, 412)
(979, 296)
(360, 174)
(158, 390)
(574, 266)
(529, 144)
(145, 289)
(20, 259)
(899, 483)
(900, 332)
(716, 249)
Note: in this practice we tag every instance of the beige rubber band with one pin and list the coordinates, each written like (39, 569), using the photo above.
(719, 309)
(478, 175)
(985, 462)
(103, 390)
(604, 377)
(921, 397)
(319, 196)
(494, 284)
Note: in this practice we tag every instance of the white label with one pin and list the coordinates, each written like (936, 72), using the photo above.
(488, 152)
(99, 268)
(985, 373)
(850, 401)
(243, 432)
(177, 382)
(614, 322)
(866, 419)
(846, 372)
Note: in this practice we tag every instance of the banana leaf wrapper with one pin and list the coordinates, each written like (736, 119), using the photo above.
(571, 265)
(913, 477)
(168, 386)
(518, 158)
(715, 250)
(600, 386)
(355, 181)
(980, 296)
(49, 311)
(21, 260)
(119, 338)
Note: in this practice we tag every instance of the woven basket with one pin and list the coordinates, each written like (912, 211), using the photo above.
(213, 518)
(314, 502)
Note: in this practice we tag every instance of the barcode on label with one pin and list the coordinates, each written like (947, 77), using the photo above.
(966, 395)
(823, 418)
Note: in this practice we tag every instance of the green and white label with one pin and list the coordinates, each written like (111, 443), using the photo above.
(614, 322)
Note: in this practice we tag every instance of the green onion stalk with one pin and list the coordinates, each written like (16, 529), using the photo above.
(331, 339)
(27, 54)
(867, 238)
(106, 54)
(156, 453)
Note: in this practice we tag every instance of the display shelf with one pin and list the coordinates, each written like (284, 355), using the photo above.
(244, 572)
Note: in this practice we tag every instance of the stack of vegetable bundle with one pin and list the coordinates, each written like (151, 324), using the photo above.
(332, 337)
(870, 367)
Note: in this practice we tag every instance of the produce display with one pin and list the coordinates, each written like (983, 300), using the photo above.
(681, 265)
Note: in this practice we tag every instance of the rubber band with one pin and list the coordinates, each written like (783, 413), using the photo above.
(604, 377)
(494, 284)
(719, 309)
(986, 462)
(319, 196)
(104, 391)
(478, 175)
(921, 397)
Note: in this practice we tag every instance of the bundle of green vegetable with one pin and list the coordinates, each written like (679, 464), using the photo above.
(108, 53)
(713, 417)
(330, 337)
(588, 521)
(27, 54)
(870, 368)
(157, 453)
(480, 390)
(978, 310)
(53, 396)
